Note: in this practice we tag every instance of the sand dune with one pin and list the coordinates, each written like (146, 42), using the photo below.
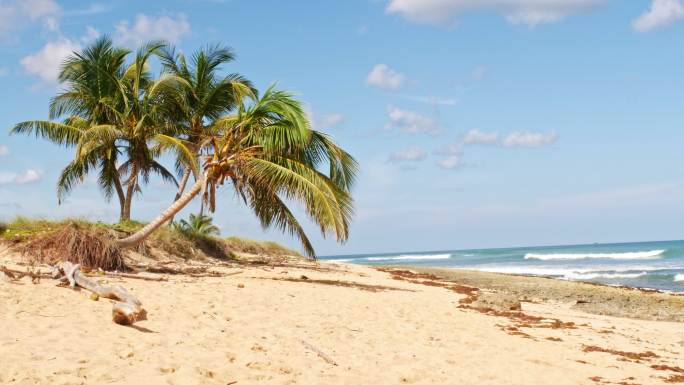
(268, 325)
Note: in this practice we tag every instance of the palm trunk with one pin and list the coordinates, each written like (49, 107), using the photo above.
(181, 186)
(135, 239)
(130, 191)
(121, 195)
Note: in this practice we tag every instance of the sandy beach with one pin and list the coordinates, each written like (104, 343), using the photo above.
(323, 323)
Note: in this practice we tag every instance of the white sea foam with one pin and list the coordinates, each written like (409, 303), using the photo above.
(679, 278)
(605, 272)
(341, 260)
(653, 254)
(603, 275)
(410, 257)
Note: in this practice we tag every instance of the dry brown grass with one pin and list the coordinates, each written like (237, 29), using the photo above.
(92, 248)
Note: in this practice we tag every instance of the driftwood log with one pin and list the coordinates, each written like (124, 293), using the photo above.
(126, 310)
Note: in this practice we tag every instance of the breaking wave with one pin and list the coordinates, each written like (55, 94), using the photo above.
(410, 257)
(653, 254)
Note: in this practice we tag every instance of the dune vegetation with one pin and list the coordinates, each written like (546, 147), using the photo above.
(48, 241)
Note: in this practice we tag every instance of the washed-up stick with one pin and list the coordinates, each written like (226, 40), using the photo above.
(320, 353)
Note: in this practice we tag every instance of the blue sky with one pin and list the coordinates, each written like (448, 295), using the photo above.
(485, 123)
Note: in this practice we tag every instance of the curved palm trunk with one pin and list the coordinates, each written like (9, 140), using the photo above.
(177, 206)
(181, 186)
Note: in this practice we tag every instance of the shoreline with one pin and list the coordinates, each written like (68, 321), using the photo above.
(646, 290)
(591, 297)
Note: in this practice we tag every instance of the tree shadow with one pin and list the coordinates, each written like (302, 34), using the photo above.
(142, 329)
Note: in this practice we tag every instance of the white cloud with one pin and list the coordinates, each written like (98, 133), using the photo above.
(4, 151)
(432, 100)
(92, 9)
(91, 34)
(476, 136)
(410, 154)
(452, 162)
(323, 121)
(46, 62)
(144, 28)
(661, 14)
(530, 139)
(382, 76)
(16, 14)
(411, 122)
(527, 12)
(26, 177)
(3, 71)
(330, 120)
(45, 11)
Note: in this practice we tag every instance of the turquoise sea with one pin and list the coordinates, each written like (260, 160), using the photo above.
(655, 265)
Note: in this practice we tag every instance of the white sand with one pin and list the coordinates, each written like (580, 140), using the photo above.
(210, 331)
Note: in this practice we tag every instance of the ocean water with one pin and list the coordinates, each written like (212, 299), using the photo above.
(655, 265)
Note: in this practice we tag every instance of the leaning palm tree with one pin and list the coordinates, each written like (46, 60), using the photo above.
(206, 96)
(270, 156)
(199, 224)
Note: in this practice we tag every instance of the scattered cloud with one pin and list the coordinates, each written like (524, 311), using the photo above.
(362, 30)
(145, 27)
(661, 14)
(46, 62)
(410, 154)
(91, 34)
(451, 162)
(323, 121)
(4, 151)
(382, 76)
(475, 136)
(330, 120)
(411, 122)
(530, 139)
(17, 14)
(92, 9)
(525, 12)
(453, 154)
(26, 177)
(44, 11)
(432, 100)
(3, 71)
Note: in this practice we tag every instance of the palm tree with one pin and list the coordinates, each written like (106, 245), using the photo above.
(206, 96)
(145, 127)
(270, 155)
(92, 78)
(117, 117)
(199, 225)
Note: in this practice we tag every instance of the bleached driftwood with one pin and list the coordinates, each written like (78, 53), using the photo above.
(126, 311)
